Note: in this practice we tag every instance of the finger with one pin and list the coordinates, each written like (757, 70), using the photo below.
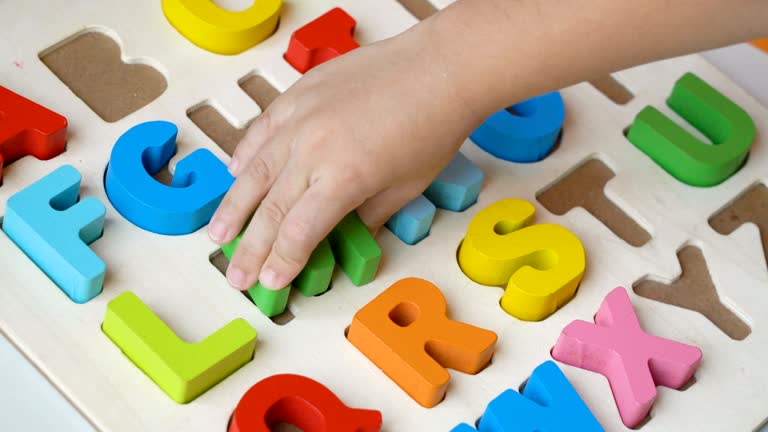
(259, 237)
(258, 133)
(249, 188)
(377, 210)
(309, 221)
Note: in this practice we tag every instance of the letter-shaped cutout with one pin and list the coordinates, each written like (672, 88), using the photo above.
(302, 402)
(524, 132)
(27, 128)
(541, 265)
(220, 31)
(355, 249)
(549, 403)
(634, 361)
(198, 185)
(406, 333)
(456, 188)
(182, 370)
(681, 154)
(54, 230)
(314, 279)
(323, 39)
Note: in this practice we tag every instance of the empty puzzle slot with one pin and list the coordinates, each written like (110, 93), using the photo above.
(613, 89)
(91, 64)
(585, 187)
(220, 261)
(420, 9)
(750, 206)
(694, 290)
(216, 127)
(259, 89)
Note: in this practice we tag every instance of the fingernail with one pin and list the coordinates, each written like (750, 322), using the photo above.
(236, 277)
(233, 165)
(271, 280)
(217, 231)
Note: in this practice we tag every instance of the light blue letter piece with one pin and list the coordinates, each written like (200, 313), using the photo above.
(457, 186)
(54, 230)
(412, 222)
(197, 188)
(548, 404)
(524, 132)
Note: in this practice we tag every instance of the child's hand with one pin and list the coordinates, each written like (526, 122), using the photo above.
(367, 132)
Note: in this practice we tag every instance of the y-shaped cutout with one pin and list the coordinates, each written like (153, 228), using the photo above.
(198, 185)
(27, 128)
(585, 187)
(91, 65)
(634, 361)
(181, 369)
(302, 402)
(456, 188)
(613, 89)
(549, 403)
(323, 39)
(681, 154)
(695, 291)
(524, 132)
(54, 230)
(751, 206)
(221, 31)
(541, 265)
(406, 333)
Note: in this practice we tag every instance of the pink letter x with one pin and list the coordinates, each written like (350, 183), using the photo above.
(634, 361)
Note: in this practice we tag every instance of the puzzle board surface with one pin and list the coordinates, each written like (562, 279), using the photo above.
(173, 275)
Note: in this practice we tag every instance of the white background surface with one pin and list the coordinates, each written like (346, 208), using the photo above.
(29, 403)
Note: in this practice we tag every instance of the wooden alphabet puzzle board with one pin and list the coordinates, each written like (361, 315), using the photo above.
(174, 276)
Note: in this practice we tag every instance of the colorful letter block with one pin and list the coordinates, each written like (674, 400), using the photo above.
(456, 188)
(524, 132)
(182, 370)
(355, 249)
(302, 402)
(198, 185)
(323, 39)
(46, 221)
(549, 403)
(27, 128)
(761, 43)
(220, 31)
(411, 223)
(405, 332)
(541, 265)
(634, 361)
(314, 279)
(681, 154)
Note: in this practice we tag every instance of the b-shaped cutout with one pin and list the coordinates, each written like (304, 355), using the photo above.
(297, 400)
(585, 187)
(91, 64)
(415, 356)
(694, 290)
(613, 89)
(750, 206)
(420, 9)
(539, 265)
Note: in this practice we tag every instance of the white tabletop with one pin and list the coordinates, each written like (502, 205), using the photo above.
(28, 402)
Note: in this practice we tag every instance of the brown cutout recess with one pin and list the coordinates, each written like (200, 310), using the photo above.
(750, 206)
(91, 66)
(217, 128)
(614, 90)
(220, 261)
(584, 187)
(694, 290)
(421, 9)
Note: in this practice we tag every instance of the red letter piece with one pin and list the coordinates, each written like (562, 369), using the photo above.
(325, 38)
(302, 402)
(27, 128)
